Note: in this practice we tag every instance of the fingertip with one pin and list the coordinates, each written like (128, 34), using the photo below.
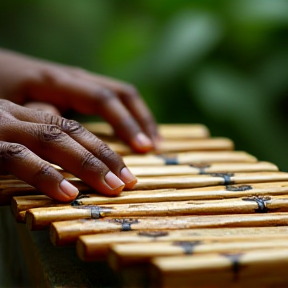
(141, 143)
(113, 181)
(69, 192)
(128, 178)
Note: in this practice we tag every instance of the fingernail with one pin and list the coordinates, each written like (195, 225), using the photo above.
(68, 189)
(113, 181)
(142, 140)
(127, 176)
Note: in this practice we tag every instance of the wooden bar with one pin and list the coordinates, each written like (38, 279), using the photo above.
(95, 247)
(188, 158)
(16, 187)
(171, 170)
(222, 270)
(166, 131)
(192, 169)
(166, 146)
(67, 232)
(123, 255)
(20, 204)
(39, 218)
(207, 180)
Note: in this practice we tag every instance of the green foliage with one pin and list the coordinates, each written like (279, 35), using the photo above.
(222, 63)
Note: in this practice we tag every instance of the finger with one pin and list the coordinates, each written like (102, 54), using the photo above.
(27, 166)
(130, 98)
(86, 97)
(88, 140)
(43, 107)
(52, 144)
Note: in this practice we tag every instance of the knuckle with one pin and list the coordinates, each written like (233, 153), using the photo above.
(104, 95)
(53, 76)
(44, 170)
(66, 125)
(11, 150)
(51, 133)
(105, 152)
(77, 71)
(71, 126)
(90, 160)
(4, 102)
(130, 91)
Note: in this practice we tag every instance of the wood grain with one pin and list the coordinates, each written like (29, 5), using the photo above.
(96, 246)
(67, 232)
(167, 131)
(259, 267)
(123, 255)
(189, 158)
(39, 218)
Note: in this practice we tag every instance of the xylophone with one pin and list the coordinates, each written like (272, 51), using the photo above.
(201, 214)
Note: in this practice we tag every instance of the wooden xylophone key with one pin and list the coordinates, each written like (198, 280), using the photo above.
(67, 232)
(257, 268)
(168, 146)
(125, 255)
(39, 218)
(96, 246)
(196, 169)
(208, 180)
(189, 158)
(166, 131)
(21, 204)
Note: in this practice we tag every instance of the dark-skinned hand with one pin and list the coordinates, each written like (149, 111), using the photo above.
(28, 137)
(24, 79)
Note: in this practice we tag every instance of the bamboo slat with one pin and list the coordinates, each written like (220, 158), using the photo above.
(188, 158)
(22, 203)
(96, 246)
(123, 255)
(39, 218)
(166, 131)
(247, 269)
(67, 232)
(166, 146)
(163, 182)
(208, 180)
(173, 170)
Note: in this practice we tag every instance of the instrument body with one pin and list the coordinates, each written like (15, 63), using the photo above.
(201, 214)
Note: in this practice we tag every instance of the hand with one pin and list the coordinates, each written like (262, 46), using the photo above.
(28, 136)
(24, 79)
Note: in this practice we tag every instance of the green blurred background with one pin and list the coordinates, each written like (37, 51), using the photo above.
(221, 63)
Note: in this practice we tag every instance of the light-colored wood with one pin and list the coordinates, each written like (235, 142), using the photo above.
(67, 232)
(16, 187)
(123, 255)
(180, 182)
(39, 218)
(207, 180)
(20, 204)
(166, 146)
(221, 270)
(166, 131)
(192, 169)
(170, 170)
(96, 246)
(189, 158)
